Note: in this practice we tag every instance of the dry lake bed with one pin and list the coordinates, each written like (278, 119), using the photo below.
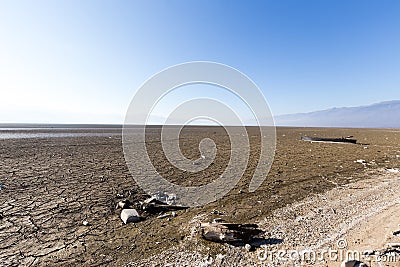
(54, 180)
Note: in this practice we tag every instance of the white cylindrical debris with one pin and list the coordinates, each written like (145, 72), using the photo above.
(129, 216)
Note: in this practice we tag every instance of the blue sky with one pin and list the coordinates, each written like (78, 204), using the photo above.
(82, 61)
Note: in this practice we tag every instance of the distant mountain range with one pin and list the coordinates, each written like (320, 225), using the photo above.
(380, 115)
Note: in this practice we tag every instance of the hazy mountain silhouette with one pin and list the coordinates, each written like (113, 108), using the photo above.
(380, 115)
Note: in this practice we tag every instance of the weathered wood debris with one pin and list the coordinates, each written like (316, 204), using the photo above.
(331, 140)
(229, 232)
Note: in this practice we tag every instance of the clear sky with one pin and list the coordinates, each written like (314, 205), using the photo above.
(81, 61)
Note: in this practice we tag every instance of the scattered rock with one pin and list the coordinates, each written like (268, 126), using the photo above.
(85, 223)
(353, 263)
(396, 233)
(2, 187)
(120, 196)
(129, 216)
(247, 247)
(174, 214)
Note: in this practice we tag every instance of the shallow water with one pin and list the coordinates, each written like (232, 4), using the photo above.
(18, 133)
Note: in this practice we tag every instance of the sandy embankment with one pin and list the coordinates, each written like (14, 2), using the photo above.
(352, 218)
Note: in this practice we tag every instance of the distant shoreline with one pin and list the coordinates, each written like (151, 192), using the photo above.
(57, 125)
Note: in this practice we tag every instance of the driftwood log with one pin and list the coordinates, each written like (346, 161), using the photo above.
(229, 232)
(157, 207)
(331, 140)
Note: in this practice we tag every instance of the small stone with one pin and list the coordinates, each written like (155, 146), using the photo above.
(247, 247)
(174, 214)
(85, 223)
(120, 196)
(396, 233)
(2, 187)
(129, 216)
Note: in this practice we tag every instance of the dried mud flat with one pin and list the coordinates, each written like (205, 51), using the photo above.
(52, 185)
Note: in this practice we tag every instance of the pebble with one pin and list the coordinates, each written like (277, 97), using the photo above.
(2, 187)
(85, 223)
(120, 196)
(247, 247)
(174, 214)
(396, 233)
(129, 216)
